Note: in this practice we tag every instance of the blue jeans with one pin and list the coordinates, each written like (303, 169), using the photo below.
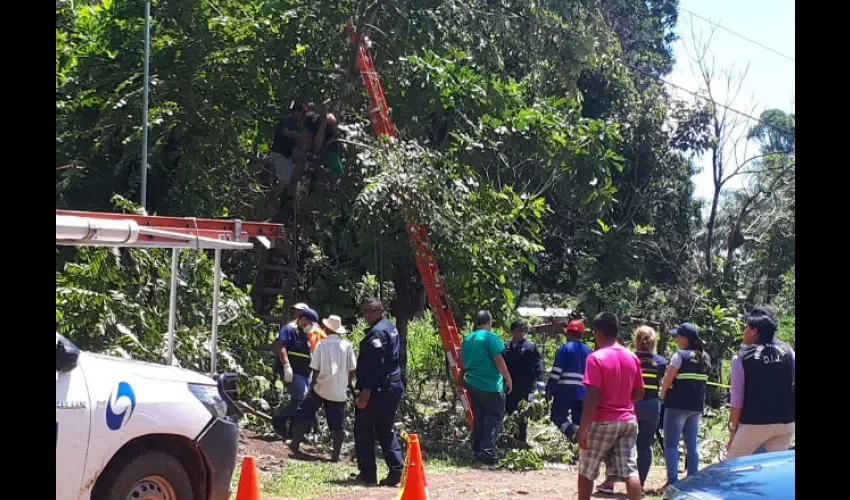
(648, 413)
(297, 390)
(676, 423)
(488, 412)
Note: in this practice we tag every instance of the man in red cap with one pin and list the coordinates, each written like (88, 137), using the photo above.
(564, 387)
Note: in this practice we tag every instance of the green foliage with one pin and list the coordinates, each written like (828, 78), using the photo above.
(788, 330)
(786, 299)
(547, 163)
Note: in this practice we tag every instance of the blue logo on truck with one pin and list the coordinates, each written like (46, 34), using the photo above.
(122, 399)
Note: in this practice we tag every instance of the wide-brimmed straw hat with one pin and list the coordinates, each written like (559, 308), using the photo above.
(334, 324)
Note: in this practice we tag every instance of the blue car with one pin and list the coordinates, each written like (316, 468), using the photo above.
(765, 476)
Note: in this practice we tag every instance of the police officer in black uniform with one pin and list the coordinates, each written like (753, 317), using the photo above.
(526, 368)
(380, 388)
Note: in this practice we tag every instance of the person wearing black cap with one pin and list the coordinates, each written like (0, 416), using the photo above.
(684, 399)
(295, 356)
(762, 395)
(526, 368)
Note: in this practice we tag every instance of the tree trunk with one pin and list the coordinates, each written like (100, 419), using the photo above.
(714, 394)
(409, 300)
(709, 231)
(663, 336)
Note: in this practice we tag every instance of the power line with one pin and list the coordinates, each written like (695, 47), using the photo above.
(718, 25)
(708, 99)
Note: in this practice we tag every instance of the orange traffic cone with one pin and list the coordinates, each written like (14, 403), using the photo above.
(413, 484)
(249, 486)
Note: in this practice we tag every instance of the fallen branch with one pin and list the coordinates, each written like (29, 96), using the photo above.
(258, 413)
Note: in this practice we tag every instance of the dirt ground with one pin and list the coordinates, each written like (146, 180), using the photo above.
(552, 482)
(499, 485)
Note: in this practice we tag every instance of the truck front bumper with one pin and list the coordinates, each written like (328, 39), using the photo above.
(219, 444)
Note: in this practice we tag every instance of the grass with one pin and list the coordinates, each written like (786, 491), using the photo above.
(313, 480)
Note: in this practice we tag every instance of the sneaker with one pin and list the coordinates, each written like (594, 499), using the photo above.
(605, 488)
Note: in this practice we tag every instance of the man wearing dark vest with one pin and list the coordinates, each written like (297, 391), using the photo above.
(295, 349)
(762, 395)
(526, 368)
(380, 389)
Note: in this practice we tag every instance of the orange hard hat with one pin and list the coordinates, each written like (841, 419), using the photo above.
(575, 325)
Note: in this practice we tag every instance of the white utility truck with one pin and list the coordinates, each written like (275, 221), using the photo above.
(128, 429)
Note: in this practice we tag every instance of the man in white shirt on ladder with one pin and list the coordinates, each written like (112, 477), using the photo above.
(333, 364)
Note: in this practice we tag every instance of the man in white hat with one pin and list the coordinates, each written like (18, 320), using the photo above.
(333, 364)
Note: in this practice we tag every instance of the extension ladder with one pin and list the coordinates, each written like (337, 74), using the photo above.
(417, 234)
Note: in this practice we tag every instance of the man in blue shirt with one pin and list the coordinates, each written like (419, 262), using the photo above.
(294, 356)
(564, 387)
(486, 379)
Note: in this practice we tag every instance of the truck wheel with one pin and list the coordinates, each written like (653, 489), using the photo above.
(153, 475)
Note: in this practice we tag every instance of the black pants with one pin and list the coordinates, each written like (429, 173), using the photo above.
(376, 422)
(334, 411)
(511, 403)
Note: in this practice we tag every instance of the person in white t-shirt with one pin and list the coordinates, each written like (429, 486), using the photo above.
(333, 364)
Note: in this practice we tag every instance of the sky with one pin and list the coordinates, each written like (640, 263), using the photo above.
(770, 79)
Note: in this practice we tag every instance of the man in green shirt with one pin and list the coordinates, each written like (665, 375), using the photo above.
(486, 379)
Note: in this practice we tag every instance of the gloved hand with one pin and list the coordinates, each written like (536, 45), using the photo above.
(287, 374)
(541, 387)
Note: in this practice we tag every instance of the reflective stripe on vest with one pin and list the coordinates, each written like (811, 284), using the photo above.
(298, 354)
(650, 386)
(692, 376)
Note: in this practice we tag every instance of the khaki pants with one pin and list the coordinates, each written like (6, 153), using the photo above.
(748, 438)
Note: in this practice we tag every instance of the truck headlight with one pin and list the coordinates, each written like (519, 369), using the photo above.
(209, 397)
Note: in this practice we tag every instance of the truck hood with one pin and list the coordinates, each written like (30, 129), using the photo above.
(99, 363)
(754, 477)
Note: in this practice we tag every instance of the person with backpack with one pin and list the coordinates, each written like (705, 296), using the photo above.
(683, 392)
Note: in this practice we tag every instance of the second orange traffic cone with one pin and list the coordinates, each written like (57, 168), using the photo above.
(249, 486)
(413, 486)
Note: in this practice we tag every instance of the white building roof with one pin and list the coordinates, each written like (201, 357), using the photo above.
(544, 312)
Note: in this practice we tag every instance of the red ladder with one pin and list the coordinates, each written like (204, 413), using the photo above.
(417, 234)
